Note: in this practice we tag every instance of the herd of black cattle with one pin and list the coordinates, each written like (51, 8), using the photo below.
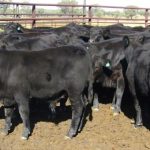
(72, 61)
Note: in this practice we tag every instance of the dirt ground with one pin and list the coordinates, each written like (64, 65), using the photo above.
(103, 132)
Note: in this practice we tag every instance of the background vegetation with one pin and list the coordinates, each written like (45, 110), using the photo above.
(97, 12)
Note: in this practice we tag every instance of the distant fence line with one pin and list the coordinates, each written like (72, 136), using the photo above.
(59, 19)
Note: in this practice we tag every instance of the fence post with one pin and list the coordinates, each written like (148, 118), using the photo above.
(146, 17)
(14, 10)
(33, 16)
(17, 11)
(72, 13)
(84, 12)
(90, 15)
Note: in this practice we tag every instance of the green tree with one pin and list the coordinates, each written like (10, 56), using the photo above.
(116, 14)
(68, 10)
(130, 13)
(99, 12)
(25, 9)
(141, 12)
(40, 11)
(4, 7)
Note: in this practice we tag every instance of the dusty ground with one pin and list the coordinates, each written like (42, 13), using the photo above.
(104, 132)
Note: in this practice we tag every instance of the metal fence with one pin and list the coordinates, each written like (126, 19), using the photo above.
(87, 17)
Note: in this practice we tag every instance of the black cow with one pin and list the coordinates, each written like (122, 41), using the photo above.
(13, 27)
(96, 34)
(11, 43)
(71, 29)
(138, 57)
(107, 57)
(33, 44)
(44, 74)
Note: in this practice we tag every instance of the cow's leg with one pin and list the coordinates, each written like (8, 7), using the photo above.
(52, 107)
(113, 102)
(139, 121)
(8, 110)
(95, 97)
(82, 119)
(84, 100)
(119, 94)
(130, 78)
(90, 93)
(23, 105)
(77, 108)
(8, 118)
(63, 101)
(95, 102)
(146, 110)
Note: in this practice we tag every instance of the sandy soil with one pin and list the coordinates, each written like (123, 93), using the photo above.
(103, 132)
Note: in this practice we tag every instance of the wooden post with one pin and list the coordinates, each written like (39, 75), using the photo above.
(17, 11)
(146, 17)
(90, 15)
(84, 11)
(72, 13)
(33, 16)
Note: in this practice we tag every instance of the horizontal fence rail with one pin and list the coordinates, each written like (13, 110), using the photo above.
(35, 18)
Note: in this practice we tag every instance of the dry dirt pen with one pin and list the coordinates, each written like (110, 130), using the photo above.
(102, 130)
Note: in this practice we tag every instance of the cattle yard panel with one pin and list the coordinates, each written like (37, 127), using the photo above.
(88, 17)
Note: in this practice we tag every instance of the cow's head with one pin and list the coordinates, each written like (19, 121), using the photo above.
(12, 27)
(109, 53)
(9, 39)
(106, 34)
(96, 35)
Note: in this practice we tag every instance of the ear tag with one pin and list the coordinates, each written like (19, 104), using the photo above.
(18, 28)
(107, 64)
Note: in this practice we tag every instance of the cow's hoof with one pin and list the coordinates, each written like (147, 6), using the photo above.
(95, 109)
(112, 107)
(70, 134)
(115, 114)
(67, 138)
(24, 138)
(4, 132)
(136, 126)
(25, 134)
(132, 121)
(80, 129)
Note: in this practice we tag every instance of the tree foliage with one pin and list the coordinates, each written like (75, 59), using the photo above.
(130, 13)
(69, 10)
(4, 7)
(25, 9)
(96, 11)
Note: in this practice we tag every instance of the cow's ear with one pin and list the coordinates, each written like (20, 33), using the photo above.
(106, 34)
(141, 39)
(126, 41)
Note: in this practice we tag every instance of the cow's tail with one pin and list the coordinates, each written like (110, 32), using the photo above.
(90, 87)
